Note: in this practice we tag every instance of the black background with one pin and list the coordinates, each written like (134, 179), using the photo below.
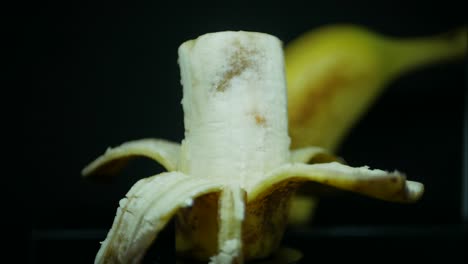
(105, 73)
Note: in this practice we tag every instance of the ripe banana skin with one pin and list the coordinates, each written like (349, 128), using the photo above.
(231, 180)
(335, 73)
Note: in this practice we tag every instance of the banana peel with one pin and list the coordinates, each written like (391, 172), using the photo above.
(231, 180)
(336, 72)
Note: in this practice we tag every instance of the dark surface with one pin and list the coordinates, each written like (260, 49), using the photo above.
(103, 74)
(370, 244)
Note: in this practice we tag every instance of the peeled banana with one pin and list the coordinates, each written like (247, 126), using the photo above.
(231, 180)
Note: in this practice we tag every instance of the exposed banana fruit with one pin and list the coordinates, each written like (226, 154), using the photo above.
(336, 72)
(232, 178)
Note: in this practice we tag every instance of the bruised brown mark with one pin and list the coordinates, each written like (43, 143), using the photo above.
(239, 62)
(260, 120)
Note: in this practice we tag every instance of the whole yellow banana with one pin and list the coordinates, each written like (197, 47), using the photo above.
(334, 74)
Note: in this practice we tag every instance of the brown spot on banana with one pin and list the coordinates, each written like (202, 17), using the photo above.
(260, 119)
(240, 60)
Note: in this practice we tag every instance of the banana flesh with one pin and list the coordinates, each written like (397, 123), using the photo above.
(233, 177)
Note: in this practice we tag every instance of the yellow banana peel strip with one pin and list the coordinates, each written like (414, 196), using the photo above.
(145, 210)
(163, 151)
(233, 175)
(390, 186)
